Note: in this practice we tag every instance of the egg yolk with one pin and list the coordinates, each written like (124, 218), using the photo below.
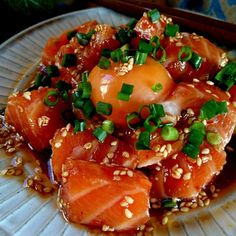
(107, 83)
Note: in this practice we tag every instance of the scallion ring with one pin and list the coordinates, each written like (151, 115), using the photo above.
(152, 123)
(52, 98)
(169, 133)
(185, 53)
(108, 126)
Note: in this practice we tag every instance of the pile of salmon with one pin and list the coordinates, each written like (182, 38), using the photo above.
(108, 183)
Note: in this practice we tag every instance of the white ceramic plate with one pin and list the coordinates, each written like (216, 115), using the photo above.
(23, 212)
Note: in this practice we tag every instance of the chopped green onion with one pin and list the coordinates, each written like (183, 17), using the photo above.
(196, 60)
(125, 47)
(212, 108)
(132, 23)
(144, 46)
(171, 30)
(62, 85)
(213, 138)
(122, 36)
(226, 77)
(100, 134)
(151, 123)
(169, 203)
(78, 103)
(191, 150)
(69, 60)
(169, 133)
(91, 33)
(195, 139)
(64, 95)
(80, 126)
(71, 34)
(106, 52)
(163, 55)
(82, 39)
(86, 89)
(84, 76)
(157, 110)
(185, 53)
(140, 57)
(104, 63)
(88, 109)
(157, 87)
(153, 15)
(133, 121)
(52, 71)
(52, 98)
(143, 142)
(108, 126)
(116, 55)
(104, 108)
(125, 92)
(155, 42)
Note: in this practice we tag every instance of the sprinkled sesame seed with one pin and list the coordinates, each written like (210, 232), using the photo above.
(130, 173)
(210, 82)
(184, 209)
(205, 151)
(125, 154)
(165, 153)
(116, 172)
(65, 174)
(207, 202)
(129, 199)
(114, 143)
(165, 220)
(128, 213)
(57, 145)
(196, 80)
(199, 161)
(123, 172)
(163, 148)
(27, 95)
(186, 130)
(169, 148)
(87, 145)
(208, 91)
(110, 155)
(187, 176)
(124, 204)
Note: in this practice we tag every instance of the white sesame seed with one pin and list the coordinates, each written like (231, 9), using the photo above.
(163, 148)
(87, 145)
(128, 213)
(186, 130)
(114, 143)
(123, 172)
(205, 151)
(187, 176)
(124, 204)
(208, 91)
(27, 95)
(125, 154)
(129, 199)
(196, 80)
(57, 145)
(130, 173)
(199, 161)
(110, 155)
(184, 209)
(116, 172)
(165, 153)
(210, 82)
(165, 220)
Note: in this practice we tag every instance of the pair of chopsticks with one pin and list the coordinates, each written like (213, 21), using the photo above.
(219, 31)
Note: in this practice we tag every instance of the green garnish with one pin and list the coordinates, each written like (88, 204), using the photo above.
(151, 123)
(140, 58)
(133, 121)
(69, 60)
(125, 92)
(185, 53)
(212, 108)
(80, 126)
(51, 98)
(226, 77)
(104, 108)
(100, 134)
(171, 30)
(143, 142)
(108, 126)
(213, 138)
(153, 15)
(52, 71)
(169, 133)
(157, 87)
(104, 63)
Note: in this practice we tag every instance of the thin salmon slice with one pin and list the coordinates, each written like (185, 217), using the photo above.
(110, 198)
(34, 120)
(85, 146)
(180, 176)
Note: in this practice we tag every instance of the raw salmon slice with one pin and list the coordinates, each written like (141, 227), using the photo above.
(111, 198)
(34, 120)
(85, 146)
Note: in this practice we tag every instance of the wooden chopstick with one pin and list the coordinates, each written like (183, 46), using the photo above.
(223, 33)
